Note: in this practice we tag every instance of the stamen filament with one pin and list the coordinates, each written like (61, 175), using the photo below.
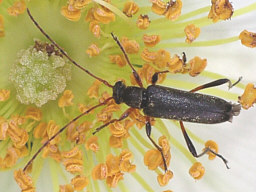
(142, 182)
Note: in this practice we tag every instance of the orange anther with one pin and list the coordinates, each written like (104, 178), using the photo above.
(40, 130)
(23, 139)
(158, 7)
(130, 46)
(176, 65)
(143, 22)
(34, 113)
(73, 153)
(116, 142)
(93, 91)
(1, 26)
(130, 8)
(66, 99)
(197, 65)
(164, 144)
(17, 8)
(71, 13)
(248, 38)
(197, 170)
(220, 9)
(113, 180)
(151, 40)
(93, 50)
(163, 179)
(23, 179)
(100, 172)
(104, 116)
(148, 56)
(213, 146)
(66, 188)
(152, 159)
(94, 27)
(52, 129)
(249, 96)
(163, 58)
(103, 15)
(125, 155)
(173, 10)
(192, 32)
(118, 59)
(117, 129)
(126, 166)
(79, 4)
(113, 163)
(92, 144)
(79, 182)
(3, 128)
(4, 94)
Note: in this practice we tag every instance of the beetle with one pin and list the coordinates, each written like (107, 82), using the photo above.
(159, 102)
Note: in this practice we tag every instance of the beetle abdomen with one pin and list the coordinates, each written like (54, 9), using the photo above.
(168, 103)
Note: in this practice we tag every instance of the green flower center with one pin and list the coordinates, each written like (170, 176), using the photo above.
(39, 74)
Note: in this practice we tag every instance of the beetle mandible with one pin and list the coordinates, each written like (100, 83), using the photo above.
(159, 102)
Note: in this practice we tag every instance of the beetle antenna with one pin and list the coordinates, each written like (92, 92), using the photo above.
(65, 54)
(62, 129)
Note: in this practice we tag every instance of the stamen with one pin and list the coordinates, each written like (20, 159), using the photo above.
(66, 99)
(152, 159)
(18, 8)
(213, 146)
(143, 22)
(3, 128)
(94, 27)
(118, 59)
(163, 58)
(79, 182)
(34, 113)
(220, 9)
(102, 15)
(71, 13)
(192, 32)
(4, 94)
(93, 91)
(79, 4)
(158, 7)
(130, 46)
(92, 144)
(93, 50)
(197, 65)
(66, 188)
(113, 180)
(130, 9)
(100, 172)
(163, 179)
(173, 10)
(249, 96)
(2, 26)
(151, 40)
(248, 38)
(24, 180)
(197, 170)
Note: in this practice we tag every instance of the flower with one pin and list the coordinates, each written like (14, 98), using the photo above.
(25, 125)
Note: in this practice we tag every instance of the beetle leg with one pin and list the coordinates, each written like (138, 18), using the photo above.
(148, 131)
(122, 117)
(192, 148)
(155, 76)
(216, 83)
(134, 72)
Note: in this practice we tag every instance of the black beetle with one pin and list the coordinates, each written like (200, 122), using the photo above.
(159, 102)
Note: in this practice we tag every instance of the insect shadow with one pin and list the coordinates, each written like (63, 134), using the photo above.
(158, 102)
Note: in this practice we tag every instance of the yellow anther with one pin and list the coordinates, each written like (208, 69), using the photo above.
(82, 108)
(130, 8)
(52, 151)
(125, 155)
(148, 72)
(3, 128)
(93, 91)
(66, 188)
(126, 166)
(79, 4)
(113, 180)
(197, 170)
(151, 40)
(220, 9)
(66, 99)
(163, 58)
(115, 142)
(71, 13)
(248, 38)
(94, 27)
(158, 7)
(117, 129)
(118, 59)
(143, 22)
(148, 56)
(104, 116)
(173, 10)
(139, 119)
(197, 65)
(130, 46)
(93, 50)
(51, 129)
(192, 32)
(23, 139)
(163, 179)
(105, 95)
(249, 96)
(164, 144)
(111, 108)
(17, 8)
(152, 159)
(73, 153)
(84, 127)
(103, 15)
(23, 151)
(79, 182)
(176, 65)
(213, 146)
(40, 130)
(100, 172)
(24, 180)
(92, 144)
(34, 113)
(11, 157)
(1, 26)
(4, 94)
(112, 163)
(74, 168)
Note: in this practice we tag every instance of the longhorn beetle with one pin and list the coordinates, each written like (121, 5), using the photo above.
(159, 102)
